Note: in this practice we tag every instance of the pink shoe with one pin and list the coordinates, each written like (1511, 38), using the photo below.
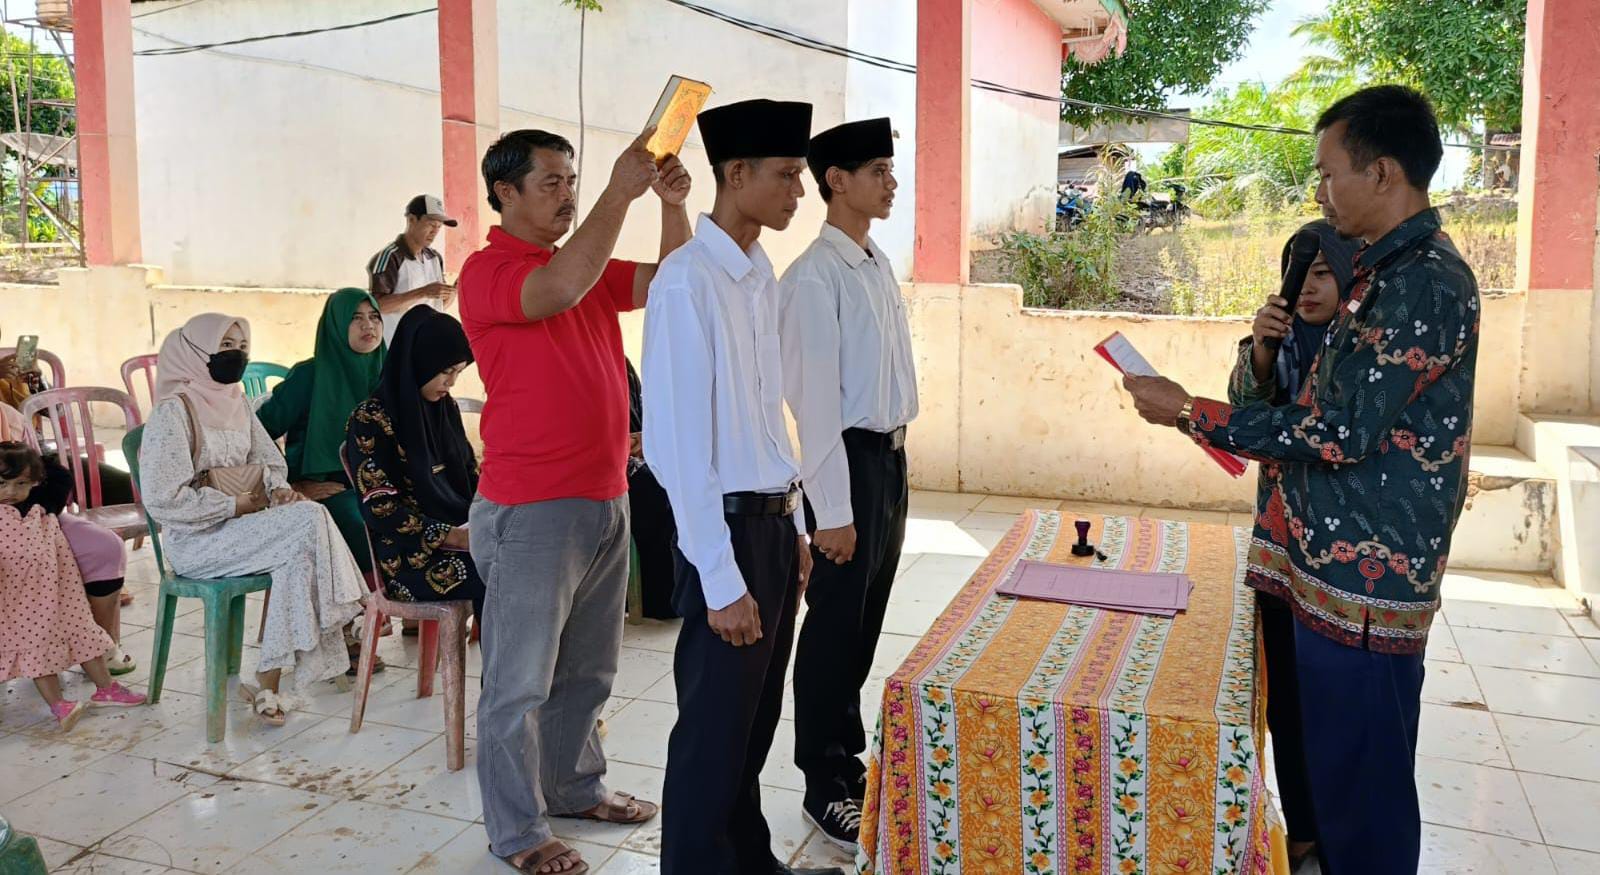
(67, 714)
(116, 696)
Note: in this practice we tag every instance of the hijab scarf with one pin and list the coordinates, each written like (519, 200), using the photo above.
(181, 370)
(438, 457)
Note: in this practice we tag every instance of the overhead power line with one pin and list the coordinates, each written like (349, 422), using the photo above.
(185, 49)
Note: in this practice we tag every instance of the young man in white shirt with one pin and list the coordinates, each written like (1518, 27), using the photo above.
(714, 436)
(851, 384)
(410, 271)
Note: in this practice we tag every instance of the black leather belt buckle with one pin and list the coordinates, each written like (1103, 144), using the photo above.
(762, 504)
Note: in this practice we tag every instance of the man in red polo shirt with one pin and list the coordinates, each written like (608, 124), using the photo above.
(549, 526)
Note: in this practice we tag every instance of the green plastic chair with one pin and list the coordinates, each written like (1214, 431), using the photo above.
(256, 375)
(224, 610)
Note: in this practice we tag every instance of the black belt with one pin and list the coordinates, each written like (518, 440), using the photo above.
(762, 503)
(892, 441)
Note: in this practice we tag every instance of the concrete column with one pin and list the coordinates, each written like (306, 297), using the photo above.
(944, 129)
(108, 157)
(1560, 184)
(469, 102)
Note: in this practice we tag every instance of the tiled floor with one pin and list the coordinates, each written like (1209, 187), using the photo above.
(1509, 772)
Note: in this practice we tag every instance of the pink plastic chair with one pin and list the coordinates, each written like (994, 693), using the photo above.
(58, 371)
(67, 411)
(147, 364)
(443, 622)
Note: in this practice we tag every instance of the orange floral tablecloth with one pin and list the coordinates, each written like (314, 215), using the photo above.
(1042, 738)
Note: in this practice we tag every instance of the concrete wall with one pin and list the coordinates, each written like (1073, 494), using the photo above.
(288, 163)
(1014, 139)
(1014, 401)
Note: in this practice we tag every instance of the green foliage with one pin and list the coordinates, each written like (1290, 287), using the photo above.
(1076, 269)
(1173, 45)
(51, 80)
(1229, 166)
(589, 5)
(1468, 60)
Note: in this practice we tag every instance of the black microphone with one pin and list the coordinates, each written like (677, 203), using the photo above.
(1302, 250)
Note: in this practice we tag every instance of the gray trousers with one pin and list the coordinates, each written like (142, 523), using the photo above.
(556, 574)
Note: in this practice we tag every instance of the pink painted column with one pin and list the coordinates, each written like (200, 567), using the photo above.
(469, 102)
(108, 156)
(1560, 146)
(944, 122)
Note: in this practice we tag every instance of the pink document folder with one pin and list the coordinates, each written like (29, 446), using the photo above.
(1139, 592)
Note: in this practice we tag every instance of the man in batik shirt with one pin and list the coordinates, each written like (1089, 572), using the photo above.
(1368, 472)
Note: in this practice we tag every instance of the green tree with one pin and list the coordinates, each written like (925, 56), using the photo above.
(51, 80)
(1173, 45)
(1467, 60)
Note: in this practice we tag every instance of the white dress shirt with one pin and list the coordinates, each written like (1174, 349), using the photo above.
(713, 395)
(846, 360)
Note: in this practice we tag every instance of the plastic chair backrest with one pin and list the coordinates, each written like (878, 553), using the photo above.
(67, 410)
(345, 461)
(147, 364)
(256, 375)
(58, 371)
(131, 442)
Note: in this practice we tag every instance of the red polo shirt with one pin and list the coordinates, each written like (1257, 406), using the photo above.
(555, 424)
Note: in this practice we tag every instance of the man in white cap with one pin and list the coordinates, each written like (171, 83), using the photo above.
(410, 271)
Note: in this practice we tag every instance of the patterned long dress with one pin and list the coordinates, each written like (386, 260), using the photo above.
(45, 623)
(316, 587)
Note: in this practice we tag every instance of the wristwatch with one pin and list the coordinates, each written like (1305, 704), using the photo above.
(1185, 417)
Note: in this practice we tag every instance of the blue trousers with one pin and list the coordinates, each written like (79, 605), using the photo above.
(1359, 714)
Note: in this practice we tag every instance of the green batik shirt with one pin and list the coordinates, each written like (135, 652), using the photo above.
(1365, 472)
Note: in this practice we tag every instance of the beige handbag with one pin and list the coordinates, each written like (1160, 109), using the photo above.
(233, 480)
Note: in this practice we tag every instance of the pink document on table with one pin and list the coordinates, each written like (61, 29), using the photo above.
(1139, 592)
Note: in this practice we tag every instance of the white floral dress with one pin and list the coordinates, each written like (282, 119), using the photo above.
(316, 587)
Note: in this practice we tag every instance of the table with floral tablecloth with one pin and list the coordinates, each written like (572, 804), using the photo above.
(1035, 737)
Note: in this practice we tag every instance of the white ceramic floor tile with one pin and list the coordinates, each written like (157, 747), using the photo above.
(1571, 862)
(326, 758)
(781, 770)
(982, 520)
(1464, 734)
(631, 863)
(657, 635)
(1007, 504)
(468, 854)
(924, 535)
(1200, 517)
(1584, 626)
(212, 829)
(355, 837)
(664, 690)
(1535, 694)
(1447, 851)
(246, 737)
(644, 783)
(334, 699)
(101, 798)
(396, 704)
(105, 864)
(1568, 810)
(1593, 645)
(819, 853)
(1511, 618)
(1473, 797)
(638, 670)
(1450, 683)
(56, 854)
(1561, 654)
(1442, 644)
(1552, 747)
(638, 733)
(423, 782)
(183, 650)
(28, 763)
(923, 503)
(119, 729)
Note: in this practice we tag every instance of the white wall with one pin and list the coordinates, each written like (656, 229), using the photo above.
(888, 29)
(287, 163)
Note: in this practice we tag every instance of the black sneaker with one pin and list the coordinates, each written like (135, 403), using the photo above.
(839, 821)
(858, 788)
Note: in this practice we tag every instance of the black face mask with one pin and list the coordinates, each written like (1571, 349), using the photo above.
(227, 367)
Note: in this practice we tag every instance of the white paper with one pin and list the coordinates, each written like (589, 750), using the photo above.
(1128, 358)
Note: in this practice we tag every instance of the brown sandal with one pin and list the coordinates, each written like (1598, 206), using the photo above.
(619, 807)
(547, 853)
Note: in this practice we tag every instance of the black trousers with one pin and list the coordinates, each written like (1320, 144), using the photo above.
(729, 701)
(845, 605)
(1283, 717)
(654, 534)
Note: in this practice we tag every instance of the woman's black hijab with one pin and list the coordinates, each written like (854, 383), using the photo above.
(1299, 351)
(438, 457)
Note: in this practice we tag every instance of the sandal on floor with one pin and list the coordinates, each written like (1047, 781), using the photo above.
(378, 665)
(548, 853)
(619, 807)
(265, 703)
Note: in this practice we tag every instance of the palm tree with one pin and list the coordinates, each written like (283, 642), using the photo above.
(1330, 65)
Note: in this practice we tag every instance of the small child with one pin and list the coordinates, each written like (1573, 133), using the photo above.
(45, 623)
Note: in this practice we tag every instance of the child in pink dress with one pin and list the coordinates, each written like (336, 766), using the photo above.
(45, 623)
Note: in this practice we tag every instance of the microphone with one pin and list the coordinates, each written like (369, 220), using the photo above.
(1302, 250)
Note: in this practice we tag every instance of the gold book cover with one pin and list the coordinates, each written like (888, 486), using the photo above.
(674, 115)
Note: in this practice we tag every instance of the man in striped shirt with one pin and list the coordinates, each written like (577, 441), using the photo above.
(409, 271)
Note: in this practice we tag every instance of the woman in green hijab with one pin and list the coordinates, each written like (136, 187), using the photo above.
(312, 405)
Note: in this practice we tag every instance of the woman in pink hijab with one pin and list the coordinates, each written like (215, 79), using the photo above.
(316, 588)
